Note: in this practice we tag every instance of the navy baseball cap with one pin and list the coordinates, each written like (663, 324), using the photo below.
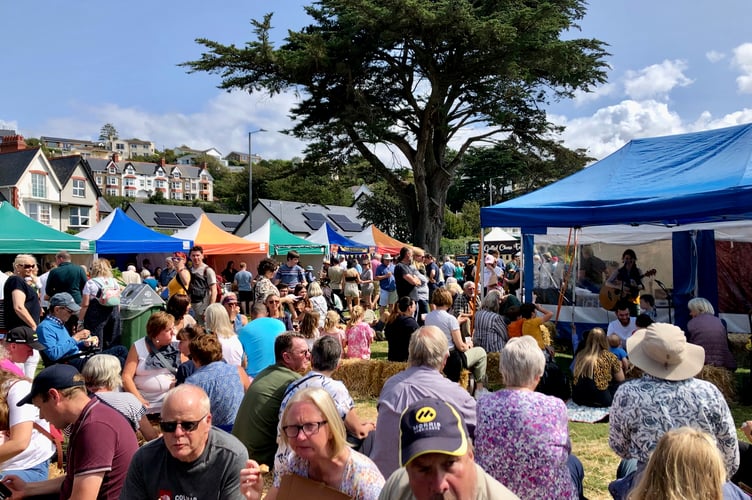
(53, 377)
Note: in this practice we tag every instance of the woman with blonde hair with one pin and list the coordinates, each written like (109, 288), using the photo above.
(597, 372)
(318, 301)
(100, 304)
(313, 429)
(218, 322)
(685, 465)
(358, 335)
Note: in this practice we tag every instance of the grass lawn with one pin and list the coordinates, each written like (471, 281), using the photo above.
(589, 441)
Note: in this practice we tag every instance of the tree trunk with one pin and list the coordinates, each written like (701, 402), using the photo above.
(426, 207)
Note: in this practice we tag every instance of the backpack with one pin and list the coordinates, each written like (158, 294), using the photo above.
(109, 292)
(198, 288)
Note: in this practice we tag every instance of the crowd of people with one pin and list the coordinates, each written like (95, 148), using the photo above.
(224, 385)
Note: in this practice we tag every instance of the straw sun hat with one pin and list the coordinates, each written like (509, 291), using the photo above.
(662, 350)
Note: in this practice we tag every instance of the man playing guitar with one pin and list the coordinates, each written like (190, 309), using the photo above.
(628, 280)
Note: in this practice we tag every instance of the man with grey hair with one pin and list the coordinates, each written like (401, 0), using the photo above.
(428, 353)
(192, 459)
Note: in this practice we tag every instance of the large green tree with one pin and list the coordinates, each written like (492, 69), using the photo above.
(108, 132)
(413, 75)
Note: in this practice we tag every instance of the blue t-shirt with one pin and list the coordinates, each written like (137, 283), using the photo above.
(257, 339)
(243, 279)
(618, 352)
(388, 284)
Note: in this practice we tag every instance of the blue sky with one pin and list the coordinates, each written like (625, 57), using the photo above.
(68, 68)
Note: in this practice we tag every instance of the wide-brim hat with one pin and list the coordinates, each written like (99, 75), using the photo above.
(662, 350)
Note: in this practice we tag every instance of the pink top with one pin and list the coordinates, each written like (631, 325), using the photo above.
(10, 366)
(359, 337)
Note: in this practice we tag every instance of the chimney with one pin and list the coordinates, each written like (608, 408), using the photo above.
(12, 143)
(116, 157)
(162, 162)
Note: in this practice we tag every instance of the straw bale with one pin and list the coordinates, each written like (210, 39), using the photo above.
(492, 371)
(722, 378)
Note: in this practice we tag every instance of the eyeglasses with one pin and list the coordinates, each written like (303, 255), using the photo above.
(231, 304)
(28, 266)
(309, 429)
(186, 426)
(301, 353)
(273, 301)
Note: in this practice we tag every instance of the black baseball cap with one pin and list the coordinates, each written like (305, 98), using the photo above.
(24, 335)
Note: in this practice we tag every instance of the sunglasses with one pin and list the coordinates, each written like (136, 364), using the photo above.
(28, 266)
(186, 426)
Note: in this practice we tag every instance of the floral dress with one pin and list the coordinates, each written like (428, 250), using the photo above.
(522, 440)
(359, 338)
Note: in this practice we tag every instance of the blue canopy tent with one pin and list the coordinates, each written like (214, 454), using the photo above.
(674, 181)
(119, 234)
(325, 235)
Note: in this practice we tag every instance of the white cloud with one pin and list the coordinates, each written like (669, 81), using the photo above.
(656, 81)
(8, 125)
(223, 123)
(604, 90)
(714, 56)
(743, 61)
(609, 128)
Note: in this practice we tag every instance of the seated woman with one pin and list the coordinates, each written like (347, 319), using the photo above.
(490, 329)
(521, 437)
(313, 429)
(672, 471)
(184, 337)
(597, 372)
(218, 323)
(222, 382)
(178, 306)
(440, 318)
(399, 329)
(25, 451)
(708, 331)
(317, 301)
(102, 376)
(152, 362)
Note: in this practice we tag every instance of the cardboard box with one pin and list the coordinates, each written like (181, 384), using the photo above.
(294, 487)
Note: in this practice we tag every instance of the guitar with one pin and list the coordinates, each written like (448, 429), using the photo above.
(609, 296)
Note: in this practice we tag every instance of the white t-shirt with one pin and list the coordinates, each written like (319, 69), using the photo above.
(445, 322)
(624, 332)
(40, 448)
(232, 350)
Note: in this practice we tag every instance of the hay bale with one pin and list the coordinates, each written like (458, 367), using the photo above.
(492, 371)
(722, 378)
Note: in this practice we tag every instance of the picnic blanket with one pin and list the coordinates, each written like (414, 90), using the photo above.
(577, 413)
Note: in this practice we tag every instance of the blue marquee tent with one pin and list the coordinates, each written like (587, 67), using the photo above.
(325, 235)
(119, 234)
(702, 177)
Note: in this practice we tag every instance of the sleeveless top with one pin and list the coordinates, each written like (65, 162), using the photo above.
(175, 288)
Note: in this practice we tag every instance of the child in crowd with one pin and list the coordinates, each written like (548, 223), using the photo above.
(647, 306)
(332, 327)
(309, 327)
(614, 342)
(359, 335)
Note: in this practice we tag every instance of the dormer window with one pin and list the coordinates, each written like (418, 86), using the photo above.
(176, 174)
(113, 170)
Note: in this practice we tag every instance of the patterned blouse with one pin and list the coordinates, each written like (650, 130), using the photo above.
(359, 338)
(361, 478)
(522, 440)
(605, 368)
(644, 409)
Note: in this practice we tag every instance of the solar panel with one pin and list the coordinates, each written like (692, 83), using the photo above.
(168, 221)
(186, 219)
(164, 214)
(315, 224)
(314, 216)
(345, 223)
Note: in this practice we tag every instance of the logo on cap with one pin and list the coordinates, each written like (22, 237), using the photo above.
(425, 415)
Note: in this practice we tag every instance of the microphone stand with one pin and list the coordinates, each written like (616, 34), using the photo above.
(669, 296)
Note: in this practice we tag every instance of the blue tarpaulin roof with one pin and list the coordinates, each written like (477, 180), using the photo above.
(118, 234)
(325, 235)
(681, 179)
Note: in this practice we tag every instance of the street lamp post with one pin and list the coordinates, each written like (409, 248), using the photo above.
(250, 177)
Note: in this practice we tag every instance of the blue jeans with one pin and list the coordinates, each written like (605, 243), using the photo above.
(39, 472)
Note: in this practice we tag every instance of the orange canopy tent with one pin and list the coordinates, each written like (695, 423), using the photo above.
(216, 241)
(379, 241)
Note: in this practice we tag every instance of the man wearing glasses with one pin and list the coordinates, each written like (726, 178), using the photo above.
(257, 418)
(101, 442)
(192, 459)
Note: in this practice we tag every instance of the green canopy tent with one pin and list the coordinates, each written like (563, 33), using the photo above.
(281, 241)
(20, 234)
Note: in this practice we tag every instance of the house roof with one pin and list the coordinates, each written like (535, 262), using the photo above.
(177, 217)
(145, 168)
(14, 164)
(305, 218)
(63, 139)
(64, 167)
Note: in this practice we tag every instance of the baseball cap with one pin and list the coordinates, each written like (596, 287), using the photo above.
(64, 299)
(24, 335)
(53, 377)
(431, 426)
(489, 259)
